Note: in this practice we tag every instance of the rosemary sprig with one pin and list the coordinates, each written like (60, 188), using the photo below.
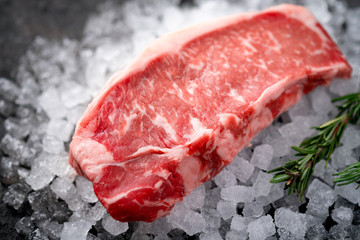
(297, 173)
(349, 175)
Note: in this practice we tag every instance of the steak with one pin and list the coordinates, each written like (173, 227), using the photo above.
(183, 109)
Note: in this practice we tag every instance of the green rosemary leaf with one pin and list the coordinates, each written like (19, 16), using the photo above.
(297, 173)
(280, 178)
(329, 123)
(304, 150)
(349, 175)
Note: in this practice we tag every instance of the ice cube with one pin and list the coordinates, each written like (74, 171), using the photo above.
(354, 231)
(60, 129)
(212, 197)
(6, 108)
(75, 113)
(12, 146)
(173, 18)
(96, 212)
(280, 146)
(319, 170)
(134, 10)
(245, 153)
(28, 155)
(290, 222)
(253, 209)
(63, 188)
(241, 168)
(262, 185)
(17, 129)
(8, 170)
(137, 235)
(343, 216)
(341, 87)
(91, 236)
(40, 216)
(261, 228)
(356, 219)
(112, 226)
(239, 223)
(337, 232)
(316, 232)
(351, 137)
(320, 9)
(193, 223)
(238, 194)
(225, 179)
(320, 100)
(235, 235)
(23, 172)
(210, 9)
(101, 25)
(160, 226)
(301, 108)
(36, 234)
(196, 198)
(295, 131)
(341, 158)
(24, 226)
(41, 199)
(73, 94)
(162, 236)
(213, 235)
(212, 218)
(342, 202)
(262, 156)
(53, 145)
(75, 203)
(184, 218)
(51, 229)
(75, 230)
(59, 211)
(325, 171)
(50, 101)
(16, 195)
(85, 190)
(321, 198)
(349, 192)
(276, 193)
(226, 209)
(29, 88)
(142, 38)
(95, 74)
(352, 18)
(8, 90)
(311, 220)
(39, 177)
(59, 165)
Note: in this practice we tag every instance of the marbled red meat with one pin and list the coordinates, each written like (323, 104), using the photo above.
(182, 110)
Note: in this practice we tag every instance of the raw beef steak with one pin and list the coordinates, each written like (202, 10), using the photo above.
(182, 110)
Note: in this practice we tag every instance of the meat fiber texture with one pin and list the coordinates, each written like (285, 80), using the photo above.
(183, 109)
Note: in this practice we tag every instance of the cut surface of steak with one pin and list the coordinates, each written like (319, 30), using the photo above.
(183, 109)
